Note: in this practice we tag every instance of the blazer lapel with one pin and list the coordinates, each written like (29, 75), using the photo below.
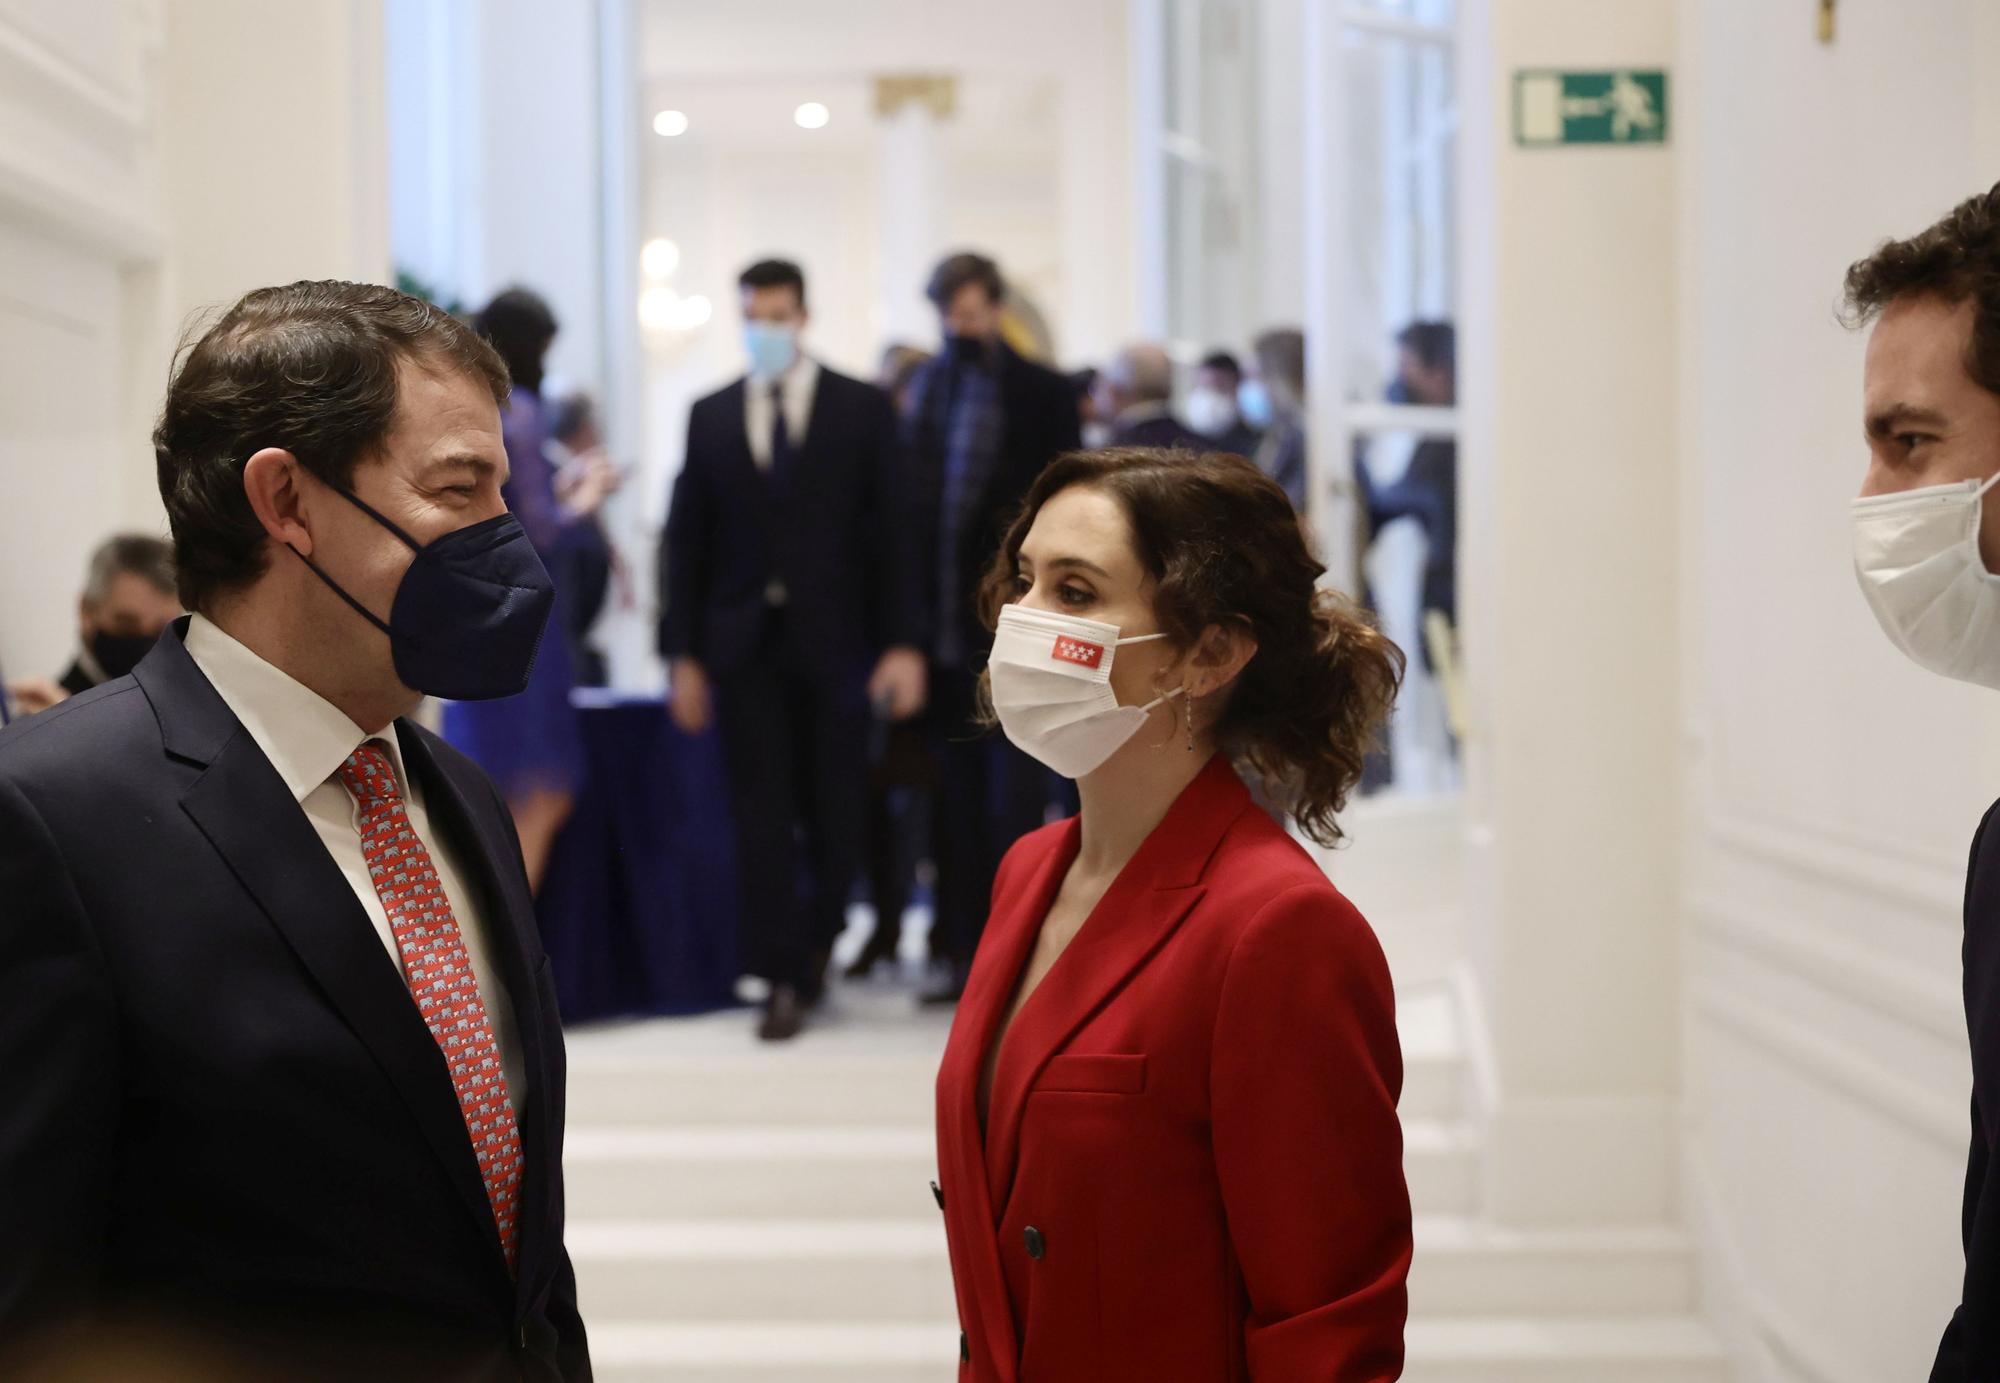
(248, 814)
(989, 990)
(483, 850)
(1136, 915)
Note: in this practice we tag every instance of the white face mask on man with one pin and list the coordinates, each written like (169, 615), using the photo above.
(1917, 557)
(1051, 678)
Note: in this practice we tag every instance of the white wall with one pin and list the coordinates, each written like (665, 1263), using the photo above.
(155, 160)
(1832, 787)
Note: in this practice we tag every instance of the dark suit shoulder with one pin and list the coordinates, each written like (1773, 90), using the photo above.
(109, 724)
(729, 395)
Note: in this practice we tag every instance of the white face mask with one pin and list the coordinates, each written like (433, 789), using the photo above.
(1052, 688)
(1211, 412)
(1917, 557)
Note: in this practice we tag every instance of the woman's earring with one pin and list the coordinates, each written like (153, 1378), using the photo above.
(1192, 698)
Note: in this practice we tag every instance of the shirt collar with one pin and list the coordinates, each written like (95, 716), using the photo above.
(306, 737)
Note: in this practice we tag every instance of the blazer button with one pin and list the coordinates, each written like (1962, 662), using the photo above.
(1037, 1246)
(937, 1194)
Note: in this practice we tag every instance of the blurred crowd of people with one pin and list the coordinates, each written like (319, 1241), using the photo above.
(821, 553)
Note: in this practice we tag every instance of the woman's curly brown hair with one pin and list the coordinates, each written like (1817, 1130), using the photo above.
(1956, 260)
(1223, 546)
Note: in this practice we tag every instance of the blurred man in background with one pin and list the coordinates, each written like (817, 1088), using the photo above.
(788, 618)
(1214, 408)
(1136, 392)
(981, 425)
(1275, 399)
(128, 598)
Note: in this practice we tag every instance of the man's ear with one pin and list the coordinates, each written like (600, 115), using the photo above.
(272, 481)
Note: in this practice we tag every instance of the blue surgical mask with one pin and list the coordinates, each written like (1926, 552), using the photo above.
(771, 346)
(1254, 400)
(470, 611)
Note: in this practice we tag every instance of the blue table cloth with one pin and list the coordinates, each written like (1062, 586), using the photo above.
(638, 909)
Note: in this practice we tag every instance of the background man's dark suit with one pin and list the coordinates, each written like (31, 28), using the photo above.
(1970, 1350)
(791, 681)
(989, 794)
(219, 1105)
(1160, 430)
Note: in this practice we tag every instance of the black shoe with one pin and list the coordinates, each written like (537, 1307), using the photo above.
(813, 988)
(784, 1015)
(882, 946)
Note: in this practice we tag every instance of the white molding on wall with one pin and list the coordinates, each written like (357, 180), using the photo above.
(1750, 1326)
(1838, 1065)
(1881, 983)
(1932, 883)
(33, 72)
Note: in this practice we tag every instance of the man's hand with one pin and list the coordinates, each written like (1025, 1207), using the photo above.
(900, 683)
(688, 700)
(32, 694)
(584, 484)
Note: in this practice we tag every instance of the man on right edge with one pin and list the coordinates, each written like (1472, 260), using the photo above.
(1926, 542)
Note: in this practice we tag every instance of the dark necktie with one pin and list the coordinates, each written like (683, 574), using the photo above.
(782, 454)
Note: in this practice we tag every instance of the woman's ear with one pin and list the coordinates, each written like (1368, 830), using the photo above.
(1219, 657)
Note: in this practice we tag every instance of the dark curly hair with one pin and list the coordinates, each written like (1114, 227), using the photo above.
(1957, 260)
(311, 367)
(1223, 546)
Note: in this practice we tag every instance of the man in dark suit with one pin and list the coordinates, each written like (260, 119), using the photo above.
(1136, 391)
(128, 598)
(1215, 409)
(790, 615)
(981, 424)
(281, 1079)
(1926, 537)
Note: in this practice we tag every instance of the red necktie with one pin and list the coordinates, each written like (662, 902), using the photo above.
(440, 978)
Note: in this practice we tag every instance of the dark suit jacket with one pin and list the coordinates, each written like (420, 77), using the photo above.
(826, 531)
(1039, 423)
(1190, 1169)
(1164, 430)
(219, 1107)
(1970, 1349)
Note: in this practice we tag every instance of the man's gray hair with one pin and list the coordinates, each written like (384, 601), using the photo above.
(151, 559)
(1144, 373)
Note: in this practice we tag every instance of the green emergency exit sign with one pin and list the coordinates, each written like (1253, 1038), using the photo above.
(1624, 106)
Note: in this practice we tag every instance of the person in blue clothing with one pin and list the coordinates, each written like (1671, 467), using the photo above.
(529, 744)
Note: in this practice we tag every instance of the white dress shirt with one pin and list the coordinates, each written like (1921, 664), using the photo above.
(307, 739)
(796, 387)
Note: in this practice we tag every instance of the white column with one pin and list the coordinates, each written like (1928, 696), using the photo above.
(910, 219)
(1572, 638)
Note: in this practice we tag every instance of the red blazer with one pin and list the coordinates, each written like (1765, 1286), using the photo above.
(1193, 1169)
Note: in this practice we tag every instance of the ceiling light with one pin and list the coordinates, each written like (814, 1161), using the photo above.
(670, 123)
(811, 116)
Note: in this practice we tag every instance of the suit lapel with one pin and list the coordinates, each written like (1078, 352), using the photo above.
(241, 805)
(1151, 895)
(989, 990)
(247, 813)
(736, 436)
(482, 850)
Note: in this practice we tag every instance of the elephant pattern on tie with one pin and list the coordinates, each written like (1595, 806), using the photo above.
(439, 973)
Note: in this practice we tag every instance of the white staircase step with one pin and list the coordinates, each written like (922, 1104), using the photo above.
(778, 1351)
(1642, 1349)
(889, 1270)
(1636, 1350)
(845, 1172)
(754, 1173)
(709, 1089)
(1466, 1268)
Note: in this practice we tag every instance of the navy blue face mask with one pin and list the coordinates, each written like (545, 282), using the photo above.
(469, 613)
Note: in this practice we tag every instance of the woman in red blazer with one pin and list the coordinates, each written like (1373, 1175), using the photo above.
(1167, 1127)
